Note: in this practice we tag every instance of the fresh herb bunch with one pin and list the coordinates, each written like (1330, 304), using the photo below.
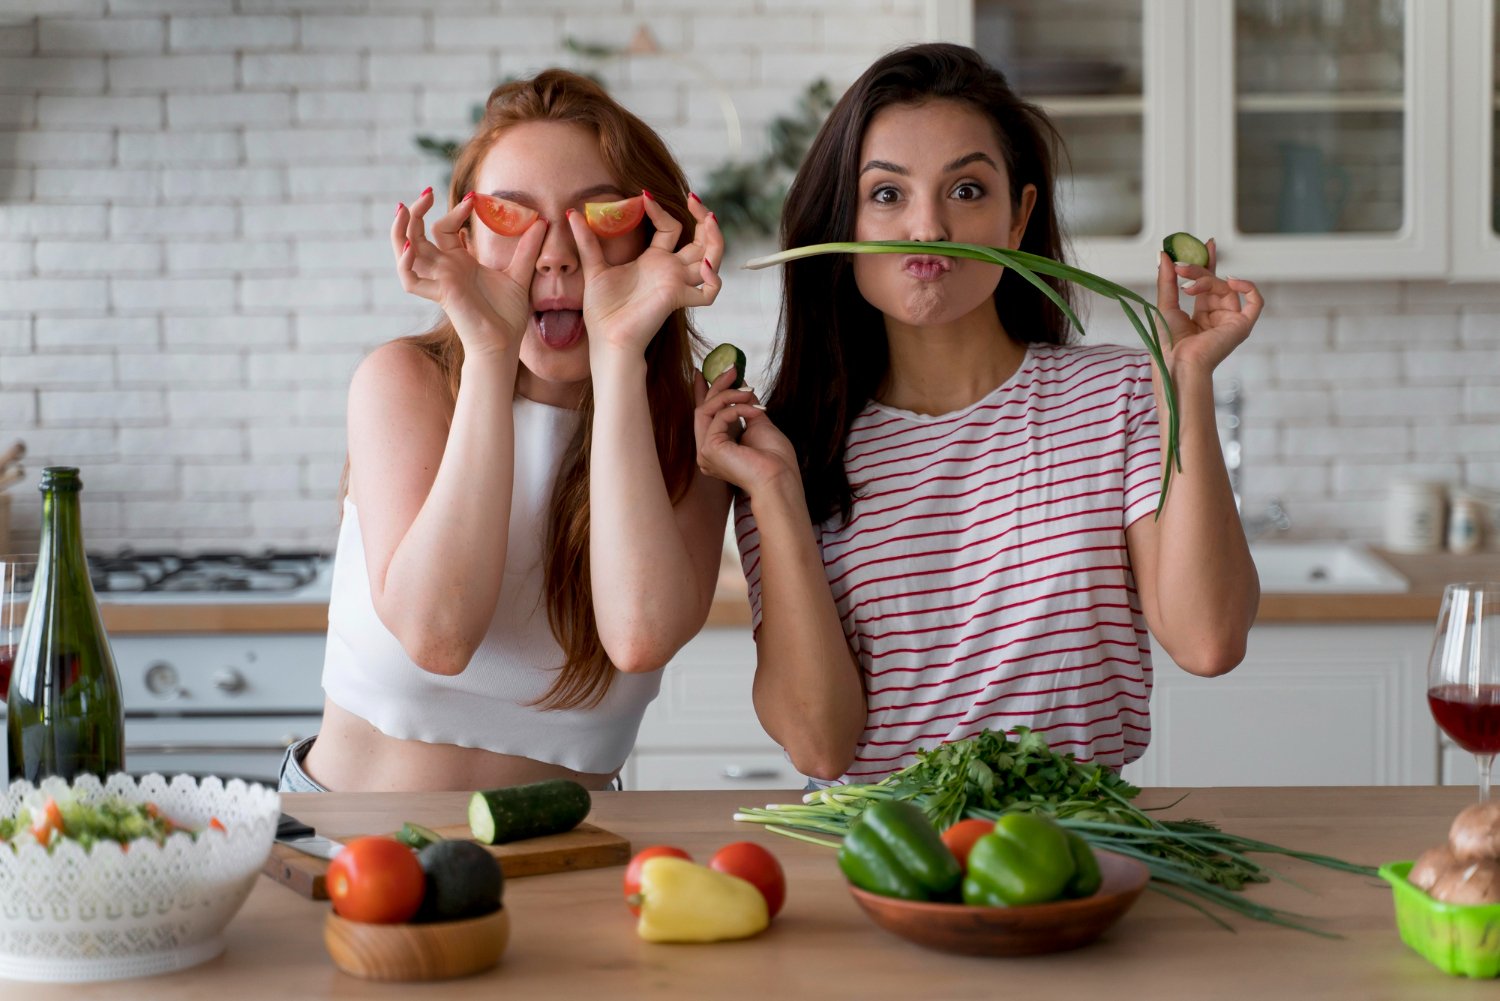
(989, 774)
(1031, 267)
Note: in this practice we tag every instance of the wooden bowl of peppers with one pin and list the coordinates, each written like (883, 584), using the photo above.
(1025, 887)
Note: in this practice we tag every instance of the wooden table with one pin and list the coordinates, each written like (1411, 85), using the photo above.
(573, 938)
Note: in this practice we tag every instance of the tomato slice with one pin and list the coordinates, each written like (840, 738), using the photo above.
(615, 218)
(504, 217)
(961, 836)
(633, 870)
(756, 866)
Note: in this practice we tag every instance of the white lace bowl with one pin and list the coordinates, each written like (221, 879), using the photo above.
(106, 914)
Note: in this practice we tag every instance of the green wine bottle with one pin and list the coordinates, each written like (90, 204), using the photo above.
(64, 715)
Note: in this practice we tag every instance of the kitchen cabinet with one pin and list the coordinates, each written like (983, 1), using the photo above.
(702, 731)
(1311, 138)
(1309, 705)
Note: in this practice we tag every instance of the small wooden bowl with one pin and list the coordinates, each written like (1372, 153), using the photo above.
(437, 951)
(1013, 931)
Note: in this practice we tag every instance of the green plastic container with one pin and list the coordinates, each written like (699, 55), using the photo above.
(1461, 939)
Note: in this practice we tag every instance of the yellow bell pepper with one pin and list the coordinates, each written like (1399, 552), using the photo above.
(685, 902)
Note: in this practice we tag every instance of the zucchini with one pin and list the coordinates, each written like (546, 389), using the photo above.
(719, 359)
(416, 836)
(1185, 248)
(527, 811)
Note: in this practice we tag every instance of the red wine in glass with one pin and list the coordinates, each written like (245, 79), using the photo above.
(7, 663)
(1468, 714)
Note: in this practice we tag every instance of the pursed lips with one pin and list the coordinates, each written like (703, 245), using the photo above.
(926, 267)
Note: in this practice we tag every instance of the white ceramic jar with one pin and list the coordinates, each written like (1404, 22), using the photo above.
(1465, 524)
(1414, 512)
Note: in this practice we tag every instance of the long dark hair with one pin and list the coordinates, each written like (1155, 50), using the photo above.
(638, 160)
(831, 342)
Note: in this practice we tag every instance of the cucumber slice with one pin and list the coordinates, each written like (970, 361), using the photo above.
(527, 811)
(719, 359)
(416, 836)
(1185, 248)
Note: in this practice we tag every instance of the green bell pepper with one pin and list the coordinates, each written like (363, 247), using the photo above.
(1086, 875)
(1027, 859)
(894, 850)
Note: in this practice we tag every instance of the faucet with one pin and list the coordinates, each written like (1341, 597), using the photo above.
(1275, 515)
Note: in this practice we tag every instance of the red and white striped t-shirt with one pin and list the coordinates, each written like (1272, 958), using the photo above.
(982, 577)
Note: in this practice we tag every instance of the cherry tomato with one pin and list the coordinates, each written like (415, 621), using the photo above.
(961, 836)
(633, 870)
(376, 880)
(504, 217)
(756, 866)
(615, 218)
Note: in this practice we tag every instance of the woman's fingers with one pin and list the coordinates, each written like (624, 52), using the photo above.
(668, 229)
(1166, 284)
(590, 254)
(1253, 301)
(707, 286)
(410, 280)
(445, 230)
(528, 248)
(706, 232)
(416, 228)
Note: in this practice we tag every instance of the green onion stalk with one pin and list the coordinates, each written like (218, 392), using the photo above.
(989, 774)
(1030, 267)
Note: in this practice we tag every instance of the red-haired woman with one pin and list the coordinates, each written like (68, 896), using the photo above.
(526, 539)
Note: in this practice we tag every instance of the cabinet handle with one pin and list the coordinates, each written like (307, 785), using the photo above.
(736, 772)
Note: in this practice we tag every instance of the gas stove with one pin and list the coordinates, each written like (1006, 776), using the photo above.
(167, 577)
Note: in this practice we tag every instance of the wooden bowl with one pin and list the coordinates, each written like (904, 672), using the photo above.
(437, 951)
(1013, 931)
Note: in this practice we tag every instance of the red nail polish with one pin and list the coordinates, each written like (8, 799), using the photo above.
(647, 194)
(399, 207)
(694, 197)
(469, 196)
(427, 190)
(406, 246)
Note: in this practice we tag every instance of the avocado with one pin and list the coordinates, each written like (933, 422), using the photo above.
(463, 881)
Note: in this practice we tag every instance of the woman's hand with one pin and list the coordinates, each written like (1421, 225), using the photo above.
(624, 305)
(1220, 321)
(489, 308)
(750, 458)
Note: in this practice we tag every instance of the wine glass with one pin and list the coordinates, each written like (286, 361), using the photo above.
(1463, 672)
(15, 591)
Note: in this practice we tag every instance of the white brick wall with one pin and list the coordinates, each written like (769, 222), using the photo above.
(193, 249)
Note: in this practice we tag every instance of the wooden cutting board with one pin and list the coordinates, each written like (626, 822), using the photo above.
(584, 847)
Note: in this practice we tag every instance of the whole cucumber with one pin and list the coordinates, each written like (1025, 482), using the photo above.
(527, 811)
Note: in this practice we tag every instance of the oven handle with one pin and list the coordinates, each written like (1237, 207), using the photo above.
(277, 746)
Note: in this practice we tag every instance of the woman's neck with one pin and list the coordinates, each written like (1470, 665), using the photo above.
(563, 395)
(939, 369)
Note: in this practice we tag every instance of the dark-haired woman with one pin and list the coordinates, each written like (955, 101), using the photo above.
(945, 509)
(526, 538)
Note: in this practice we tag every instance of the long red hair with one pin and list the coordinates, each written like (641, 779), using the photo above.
(638, 160)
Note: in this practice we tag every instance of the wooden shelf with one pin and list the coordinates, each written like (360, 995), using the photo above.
(1319, 102)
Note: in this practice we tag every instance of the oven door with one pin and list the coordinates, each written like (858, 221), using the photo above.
(249, 748)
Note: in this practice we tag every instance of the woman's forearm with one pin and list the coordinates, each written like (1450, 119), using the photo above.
(1206, 587)
(808, 693)
(441, 586)
(652, 565)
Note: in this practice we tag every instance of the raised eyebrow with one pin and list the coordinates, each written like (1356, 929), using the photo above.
(978, 156)
(894, 168)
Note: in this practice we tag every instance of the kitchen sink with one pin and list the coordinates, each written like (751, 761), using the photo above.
(1322, 567)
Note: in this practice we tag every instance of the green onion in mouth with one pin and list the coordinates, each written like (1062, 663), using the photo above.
(1029, 267)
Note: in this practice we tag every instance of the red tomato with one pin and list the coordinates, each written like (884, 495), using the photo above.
(615, 218)
(376, 880)
(214, 824)
(505, 218)
(961, 836)
(756, 866)
(633, 870)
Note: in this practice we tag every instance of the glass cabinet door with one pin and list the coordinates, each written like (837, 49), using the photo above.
(1476, 140)
(1321, 135)
(1097, 68)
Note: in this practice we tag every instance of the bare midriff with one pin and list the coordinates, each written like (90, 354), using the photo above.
(350, 755)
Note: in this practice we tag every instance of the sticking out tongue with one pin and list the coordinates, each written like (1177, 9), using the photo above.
(560, 328)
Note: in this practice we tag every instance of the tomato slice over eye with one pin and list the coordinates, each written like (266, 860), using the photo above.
(504, 217)
(615, 218)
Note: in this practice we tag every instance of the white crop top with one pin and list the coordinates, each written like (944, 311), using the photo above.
(489, 705)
